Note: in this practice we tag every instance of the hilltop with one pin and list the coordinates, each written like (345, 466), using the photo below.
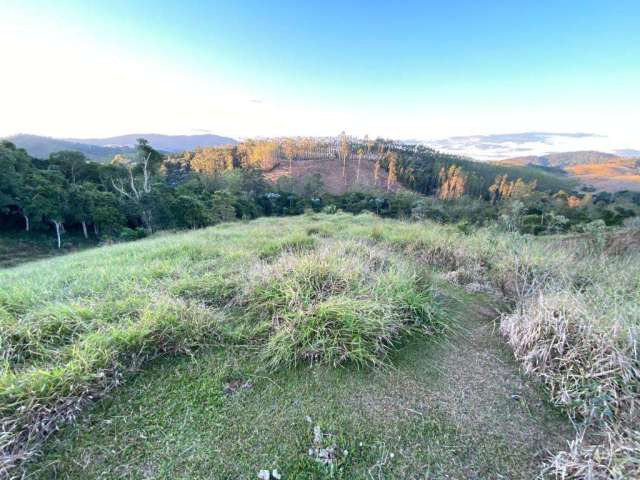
(227, 340)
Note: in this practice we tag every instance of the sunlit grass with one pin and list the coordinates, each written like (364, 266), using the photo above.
(332, 289)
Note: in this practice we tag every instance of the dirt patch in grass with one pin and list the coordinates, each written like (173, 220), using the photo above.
(477, 387)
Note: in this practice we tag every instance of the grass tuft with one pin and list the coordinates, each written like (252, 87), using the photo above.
(345, 302)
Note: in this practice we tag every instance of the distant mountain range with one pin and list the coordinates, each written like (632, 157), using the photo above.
(526, 144)
(604, 171)
(564, 159)
(105, 148)
(166, 143)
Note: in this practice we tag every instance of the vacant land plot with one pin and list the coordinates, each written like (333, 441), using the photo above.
(321, 345)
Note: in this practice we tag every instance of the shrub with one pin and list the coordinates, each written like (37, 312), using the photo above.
(330, 209)
(128, 234)
(580, 336)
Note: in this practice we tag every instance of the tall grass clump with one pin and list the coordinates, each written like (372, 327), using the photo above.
(343, 302)
(581, 339)
(37, 398)
(71, 334)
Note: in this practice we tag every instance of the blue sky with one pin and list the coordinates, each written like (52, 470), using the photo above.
(414, 69)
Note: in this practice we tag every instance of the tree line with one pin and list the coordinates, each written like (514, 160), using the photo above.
(147, 191)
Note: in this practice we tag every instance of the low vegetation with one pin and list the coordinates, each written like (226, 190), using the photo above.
(328, 290)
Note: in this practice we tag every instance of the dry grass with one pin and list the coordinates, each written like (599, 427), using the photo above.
(572, 317)
(331, 173)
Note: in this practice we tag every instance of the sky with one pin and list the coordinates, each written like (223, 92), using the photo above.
(405, 69)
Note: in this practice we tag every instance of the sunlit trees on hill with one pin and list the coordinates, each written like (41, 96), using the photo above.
(503, 189)
(392, 174)
(344, 152)
(452, 183)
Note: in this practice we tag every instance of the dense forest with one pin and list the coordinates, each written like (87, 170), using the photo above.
(146, 191)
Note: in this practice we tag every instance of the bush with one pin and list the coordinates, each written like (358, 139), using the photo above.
(129, 234)
(330, 209)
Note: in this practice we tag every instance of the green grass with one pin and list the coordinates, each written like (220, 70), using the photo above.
(175, 420)
(280, 303)
(72, 327)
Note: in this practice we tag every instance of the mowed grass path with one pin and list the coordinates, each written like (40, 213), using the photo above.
(447, 405)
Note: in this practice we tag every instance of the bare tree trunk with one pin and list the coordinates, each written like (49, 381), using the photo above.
(57, 225)
(84, 229)
(358, 170)
(145, 186)
(95, 229)
(27, 225)
(133, 185)
(147, 221)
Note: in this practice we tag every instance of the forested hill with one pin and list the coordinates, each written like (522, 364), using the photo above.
(347, 164)
(104, 149)
(134, 195)
(164, 143)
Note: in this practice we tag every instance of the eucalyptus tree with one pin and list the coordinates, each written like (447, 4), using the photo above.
(392, 174)
(360, 154)
(289, 149)
(81, 207)
(49, 200)
(344, 150)
(135, 183)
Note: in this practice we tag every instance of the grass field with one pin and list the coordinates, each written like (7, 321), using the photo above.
(261, 314)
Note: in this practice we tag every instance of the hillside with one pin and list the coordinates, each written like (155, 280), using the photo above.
(100, 149)
(615, 175)
(347, 296)
(604, 171)
(230, 337)
(563, 159)
(330, 174)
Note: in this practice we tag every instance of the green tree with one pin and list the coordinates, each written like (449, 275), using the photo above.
(106, 214)
(72, 164)
(49, 201)
(81, 206)
(190, 212)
